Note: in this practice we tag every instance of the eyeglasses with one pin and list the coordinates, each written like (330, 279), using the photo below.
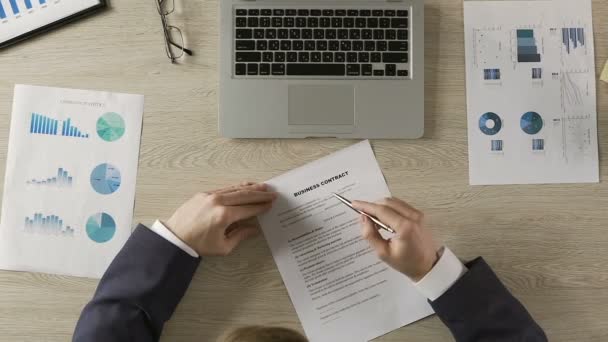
(174, 39)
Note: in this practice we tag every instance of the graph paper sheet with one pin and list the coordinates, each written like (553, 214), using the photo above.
(21, 16)
(532, 115)
(70, 180)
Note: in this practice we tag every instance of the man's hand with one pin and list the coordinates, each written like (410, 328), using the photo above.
(412, 250)
(214, 223)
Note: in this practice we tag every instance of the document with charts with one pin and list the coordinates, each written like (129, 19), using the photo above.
(340, 289)
(531, 92)
(69, 187)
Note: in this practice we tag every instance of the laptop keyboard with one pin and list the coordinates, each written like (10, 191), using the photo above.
(321, 43)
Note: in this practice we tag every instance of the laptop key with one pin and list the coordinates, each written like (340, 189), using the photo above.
(274, 45)
(245, 45)
(365, 13)
(372, 22)
(240, 69)
(363, 57)
(313, 22)
(377, 13)
(285, 45)
(268, 56)
(315, 12)
(340, 13)
(292, 56)
(351, 57)
(300, 22)
(358, 45)
(370, 45)
(279, 56)
(349, 22)
(252, 22)
(254, 11)
(403, 73)
(402, 34)
(241, 12)
(397, 46)
(294, 34)
(264, 69)
(391, 34)
(334, 45)
(291, 12)
(265, 22)
(336, 22)
(378, 72)
(244, 34)
(376, 57)
(389, 13)
(352, 13)
(381, 46)
(258, 33)
(319, 34)
(385, 23)
(399, 23)
(283, 34)
(277, 22)
(309, 45)
(353, 70)
(315, 69)
(252, 69)
(342, 34)
(303, 13)
(322, 45)
(278, 12)
(248, 56)
(367, 34)
(315, 57)
(278, 69)
(306, 34)
(289, 22)
(361, 23)
(345, 45)
(271, 33)
(340, 57)
(328, 13)
(261, 45)
(390, 57)
(241, 22)
(304, 57)
(355, 34)
(266, 12)
(391, 70)
(325, 22)
(331, 34)
(366, 70)
(298, 45)
(402, 13)
(328, 57)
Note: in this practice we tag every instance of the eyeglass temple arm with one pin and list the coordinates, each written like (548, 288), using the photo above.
(187, 51)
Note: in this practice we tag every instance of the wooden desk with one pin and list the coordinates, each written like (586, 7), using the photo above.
(547, 243)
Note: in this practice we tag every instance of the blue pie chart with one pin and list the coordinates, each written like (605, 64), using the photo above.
(105, 179)
(101, 227)
(531, 123)
(490, 123)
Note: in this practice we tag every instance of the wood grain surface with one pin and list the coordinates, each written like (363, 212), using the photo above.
(547, 243)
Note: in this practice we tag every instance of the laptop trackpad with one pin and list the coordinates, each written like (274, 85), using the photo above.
(321, 108)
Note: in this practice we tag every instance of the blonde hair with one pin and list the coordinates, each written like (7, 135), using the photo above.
(264, 334)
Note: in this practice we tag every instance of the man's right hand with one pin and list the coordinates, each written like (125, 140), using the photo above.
(412, 250)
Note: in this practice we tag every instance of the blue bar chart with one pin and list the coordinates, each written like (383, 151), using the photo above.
(47, 225)
(17, 7)
(527, 48)
(573, 38)
(40, 124)
(491, 74)
(61, 179)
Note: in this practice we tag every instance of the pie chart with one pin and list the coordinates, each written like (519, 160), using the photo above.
(531, 123)
(101, 227)
(110, 127)
(105, 179)
(490, 123)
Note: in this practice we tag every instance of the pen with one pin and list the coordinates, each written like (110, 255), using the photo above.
(375, 220)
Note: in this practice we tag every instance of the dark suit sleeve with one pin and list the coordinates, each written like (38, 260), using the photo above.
(139, 291)
(478, 307)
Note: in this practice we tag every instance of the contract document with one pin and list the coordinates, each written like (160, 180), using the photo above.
(340, 289)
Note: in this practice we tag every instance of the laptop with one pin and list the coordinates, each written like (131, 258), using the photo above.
(339, 68)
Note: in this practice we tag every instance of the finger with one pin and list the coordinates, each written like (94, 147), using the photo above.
(245, 197)
(371, 234)
(402, 208)
(382, 212)
(241, 234)
(244, 185)
(251, 222)
(234, 214)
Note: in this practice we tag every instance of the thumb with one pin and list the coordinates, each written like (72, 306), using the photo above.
(371, 234)
(241, 234)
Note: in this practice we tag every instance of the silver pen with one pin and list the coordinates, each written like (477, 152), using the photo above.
(375, 220)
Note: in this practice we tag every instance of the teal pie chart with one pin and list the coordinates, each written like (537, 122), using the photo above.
(110, 127)
(105, 179)
(101, 227)
(531, 123)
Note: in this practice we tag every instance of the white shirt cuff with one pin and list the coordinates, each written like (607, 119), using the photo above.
(443, 275)
(160, 229)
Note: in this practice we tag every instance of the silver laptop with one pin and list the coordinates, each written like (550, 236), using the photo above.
(341, 68)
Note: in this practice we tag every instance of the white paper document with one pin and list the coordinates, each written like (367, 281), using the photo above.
(531, 92)
(340, 289)
(18, 17)
(70, 179)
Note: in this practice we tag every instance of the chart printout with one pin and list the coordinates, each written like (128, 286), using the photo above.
(531, 92)
(18, 17)
(69, 188)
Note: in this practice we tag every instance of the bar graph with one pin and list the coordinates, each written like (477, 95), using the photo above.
(491, 74)
(527, 48)
(18, 6)
(40, 124)
(47, 225)
(61, 180)
(573, 38)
